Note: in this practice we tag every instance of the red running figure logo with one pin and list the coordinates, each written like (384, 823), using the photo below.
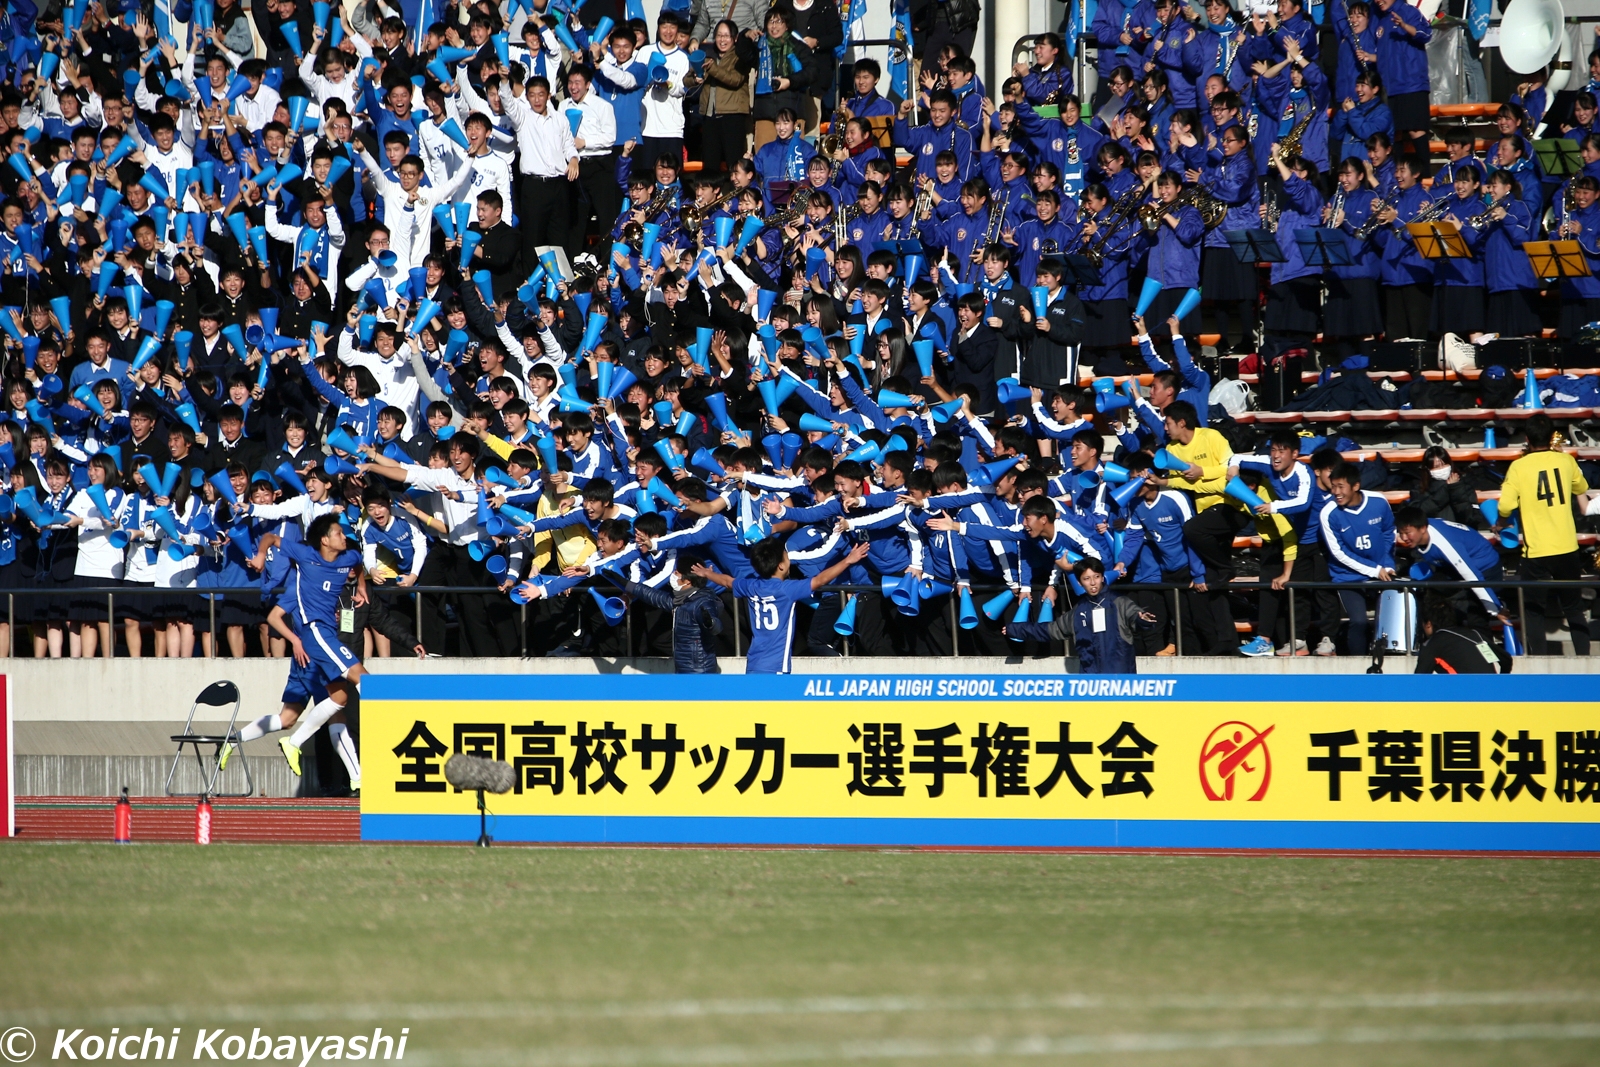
(1234, 760)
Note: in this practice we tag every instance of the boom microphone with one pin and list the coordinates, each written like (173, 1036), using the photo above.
(475, 772)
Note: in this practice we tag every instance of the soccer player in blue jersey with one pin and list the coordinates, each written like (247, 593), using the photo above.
(772, 598)
(308, 618)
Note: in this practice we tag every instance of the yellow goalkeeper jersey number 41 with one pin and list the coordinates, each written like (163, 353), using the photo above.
(1541, 487)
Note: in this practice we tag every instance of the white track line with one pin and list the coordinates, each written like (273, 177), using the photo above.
(261, 1014)
(989, 1048)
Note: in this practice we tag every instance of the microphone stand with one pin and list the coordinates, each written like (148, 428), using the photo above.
(484, 840)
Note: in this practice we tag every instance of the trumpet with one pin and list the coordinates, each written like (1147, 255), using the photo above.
(1436, 210)
(1482, 218)
(1370, 227)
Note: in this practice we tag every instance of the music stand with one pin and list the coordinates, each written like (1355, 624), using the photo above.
(1323, 247)
(1558, 156)
(1083, 271)
(1557, 259)
(1255, 246)
(1438, 240)
(882, 126)
(781, 191)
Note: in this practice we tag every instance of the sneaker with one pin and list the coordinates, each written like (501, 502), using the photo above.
(224, 756)
(291, 752)
(1170, 650)
(355, 788)
(1261, 646)
(1298, 649)
(1325, 647)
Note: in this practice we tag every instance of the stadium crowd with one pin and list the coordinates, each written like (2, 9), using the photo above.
(449, 276)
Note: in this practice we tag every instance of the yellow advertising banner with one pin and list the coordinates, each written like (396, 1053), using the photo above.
(1407, 762)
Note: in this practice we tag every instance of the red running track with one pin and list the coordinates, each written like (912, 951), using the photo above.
(253, 819)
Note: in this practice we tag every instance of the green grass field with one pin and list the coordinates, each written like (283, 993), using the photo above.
(528, 957)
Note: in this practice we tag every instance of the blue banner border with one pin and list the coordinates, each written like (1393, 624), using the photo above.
(959, 687)
(994, 833)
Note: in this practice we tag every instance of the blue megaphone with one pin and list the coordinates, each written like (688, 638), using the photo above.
(989, 473)
(845, 624)
(1106, 397)
(1125, 493)
(704, 460)
(286, 476)
(1147, 296)
(1240, 490)
(888, 398)
(996, 606)
(1166, 461)
(612, 607)
(1011, 391)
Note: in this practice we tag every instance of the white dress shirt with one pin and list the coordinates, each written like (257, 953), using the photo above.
(598, 130)
(663, 104)
(544, 141)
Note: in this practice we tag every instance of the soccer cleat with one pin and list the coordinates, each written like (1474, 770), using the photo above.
(1261, 646)
(224, 756)
(1325, 647)
(291, 753)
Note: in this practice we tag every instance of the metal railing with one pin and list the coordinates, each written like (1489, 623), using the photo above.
(208, 598)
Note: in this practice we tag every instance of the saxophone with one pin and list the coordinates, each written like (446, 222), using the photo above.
(1289, 147)
(833, 140)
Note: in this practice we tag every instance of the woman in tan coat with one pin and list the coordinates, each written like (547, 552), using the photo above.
(725, 100)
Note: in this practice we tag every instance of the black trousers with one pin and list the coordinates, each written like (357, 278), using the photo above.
(1211, 534)
(488, 620)
(1316, 608)
(1567, 601)
(722, 142)
(650, 149)
(547, 206)
(1274, 620)
(599, 198)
